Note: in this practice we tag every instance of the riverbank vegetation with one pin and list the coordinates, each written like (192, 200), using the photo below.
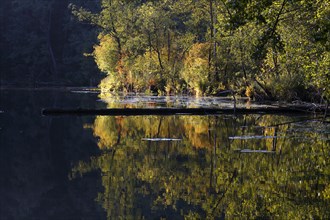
(269, 49)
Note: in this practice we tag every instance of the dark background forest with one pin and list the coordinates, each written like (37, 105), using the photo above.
(42, 44)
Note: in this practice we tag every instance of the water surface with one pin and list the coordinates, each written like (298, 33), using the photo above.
(157, 167)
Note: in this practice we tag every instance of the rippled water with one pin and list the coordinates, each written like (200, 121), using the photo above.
(157, 167)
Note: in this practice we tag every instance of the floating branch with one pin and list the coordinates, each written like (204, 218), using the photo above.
(255, 151)
(161, 139)
(251, 137)
(173, 111)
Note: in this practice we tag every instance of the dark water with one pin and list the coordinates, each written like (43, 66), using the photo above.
(157, 167)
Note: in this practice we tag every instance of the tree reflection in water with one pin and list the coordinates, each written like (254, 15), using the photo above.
(205, 175)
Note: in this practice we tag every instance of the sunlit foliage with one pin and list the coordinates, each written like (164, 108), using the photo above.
(274, 49)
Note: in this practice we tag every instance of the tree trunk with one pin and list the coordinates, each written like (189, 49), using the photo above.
(50, 46)
(57, 33)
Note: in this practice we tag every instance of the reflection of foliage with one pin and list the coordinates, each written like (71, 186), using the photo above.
(203, 176)
(108, 137)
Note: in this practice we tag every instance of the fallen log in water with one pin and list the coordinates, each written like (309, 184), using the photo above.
(172, 111)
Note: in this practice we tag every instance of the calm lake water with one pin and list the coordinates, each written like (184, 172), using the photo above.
(157, 167)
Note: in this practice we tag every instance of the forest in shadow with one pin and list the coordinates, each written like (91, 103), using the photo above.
(43, 45)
